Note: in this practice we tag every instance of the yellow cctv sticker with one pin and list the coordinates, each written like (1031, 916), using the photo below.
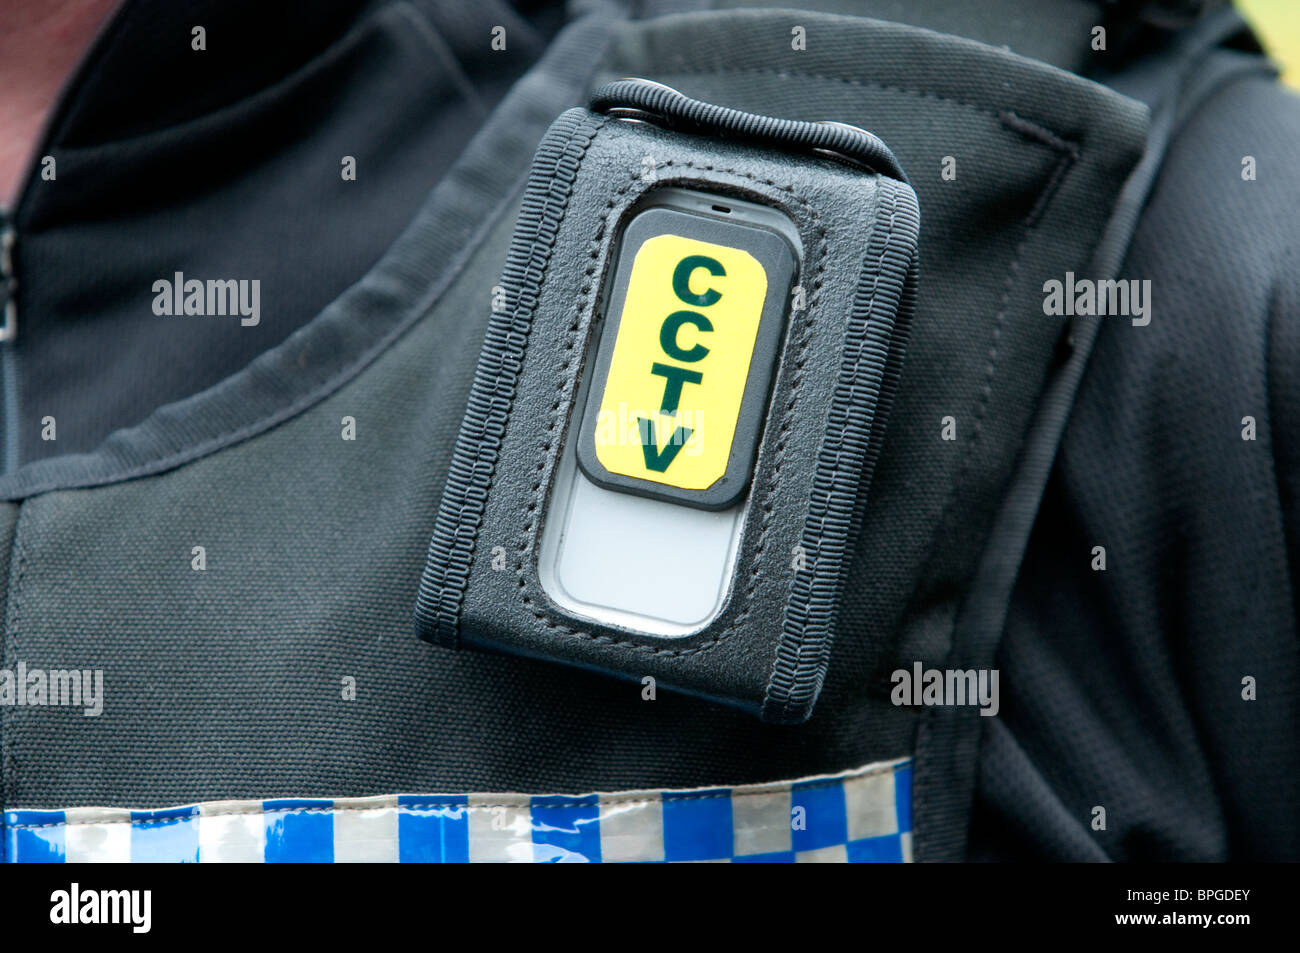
(676, 404)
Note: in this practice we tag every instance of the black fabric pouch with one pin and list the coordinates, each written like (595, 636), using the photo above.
(805, 441)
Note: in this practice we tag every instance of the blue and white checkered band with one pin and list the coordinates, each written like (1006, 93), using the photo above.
(856, 816)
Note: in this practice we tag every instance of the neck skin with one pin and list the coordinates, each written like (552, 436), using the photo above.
(41, 43)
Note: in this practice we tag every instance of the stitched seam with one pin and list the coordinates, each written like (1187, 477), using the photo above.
(1038, 132)
(801, 654)
(1044, 136)
(986, 391)
(17, 574)
(528, 536)
(1070, 153)
(477, 456)
(452, 802)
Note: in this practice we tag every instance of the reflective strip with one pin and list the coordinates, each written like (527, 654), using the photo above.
(167, 836)
(232, 832)
(858, 816)
(97, 835)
